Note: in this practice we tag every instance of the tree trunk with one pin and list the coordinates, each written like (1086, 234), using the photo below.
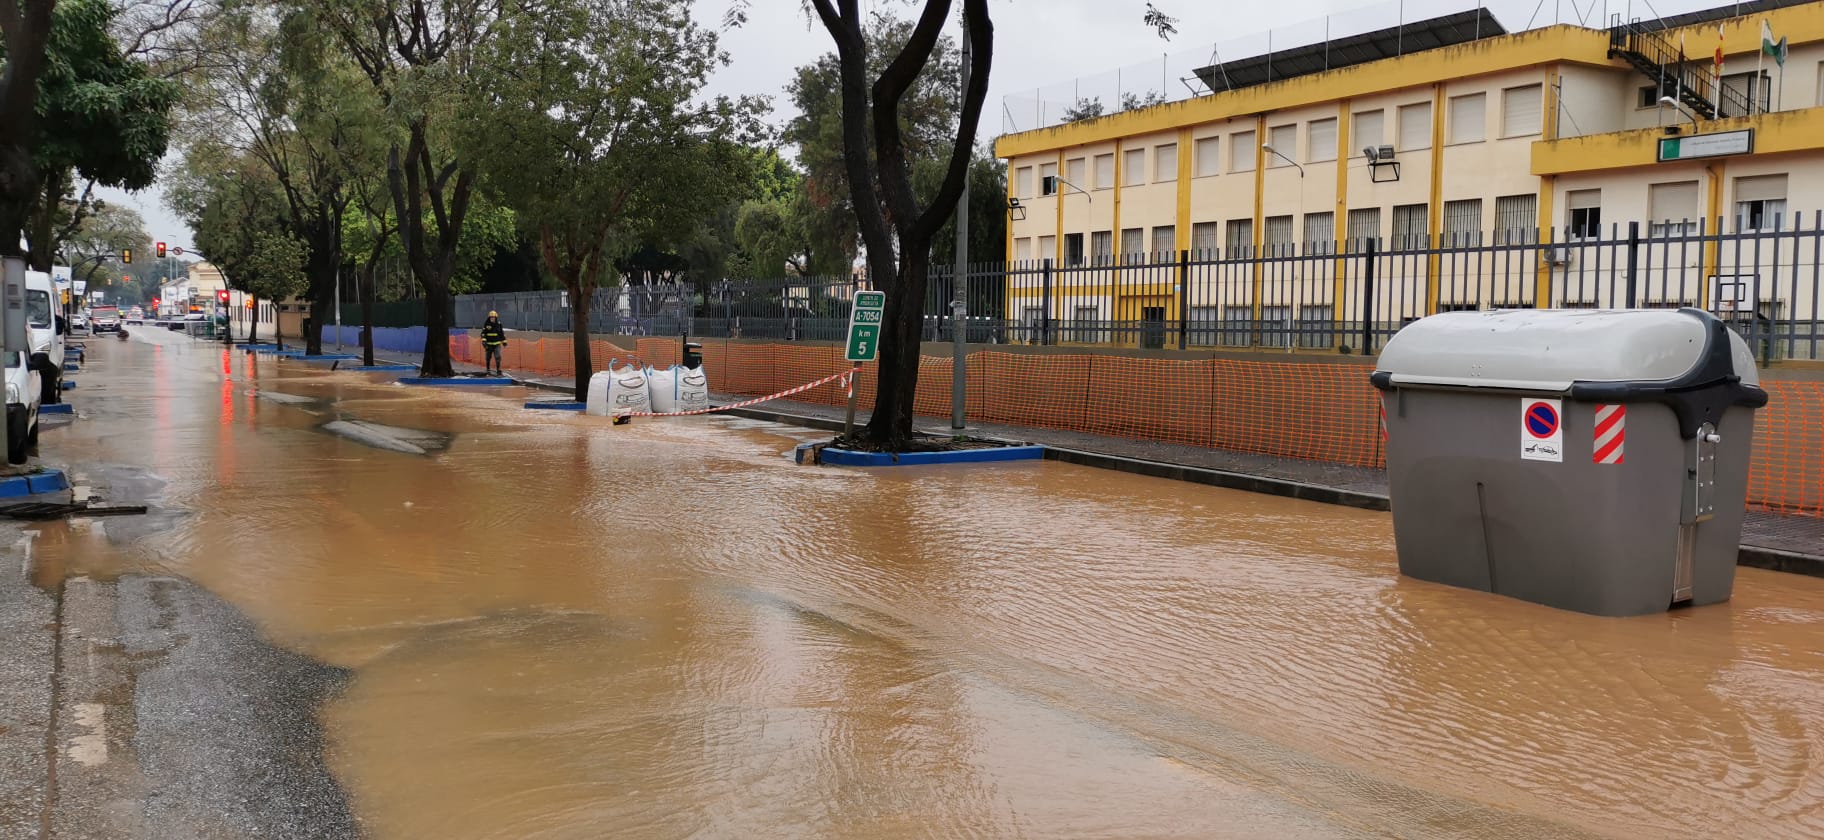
(580, 299)
(43, 222)
(900, 331)
(253, 321)
(366, 291)
(437, 328)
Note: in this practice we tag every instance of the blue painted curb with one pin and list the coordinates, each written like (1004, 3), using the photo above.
(455, 380)
(71, 366)
(69, 384)
(850, 458)
(329, 357)
(58, 408)
(49, 481)
(365, 368)
(557, 406)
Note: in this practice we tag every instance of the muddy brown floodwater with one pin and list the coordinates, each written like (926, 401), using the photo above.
(560, 629)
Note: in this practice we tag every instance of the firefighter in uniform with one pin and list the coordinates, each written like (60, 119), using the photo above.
(493, 340)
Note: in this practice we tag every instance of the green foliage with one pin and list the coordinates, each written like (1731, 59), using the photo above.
(238, 212)
(589, 125)
(987, 210)
(93, 250)
(928, 117)
(100, 113)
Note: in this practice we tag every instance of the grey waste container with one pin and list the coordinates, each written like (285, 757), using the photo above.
(1588, 460)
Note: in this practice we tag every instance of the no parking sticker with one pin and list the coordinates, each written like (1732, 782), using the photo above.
(1541, 432)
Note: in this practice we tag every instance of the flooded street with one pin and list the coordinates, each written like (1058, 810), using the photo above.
(557, 628)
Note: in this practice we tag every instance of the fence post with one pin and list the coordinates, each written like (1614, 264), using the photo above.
(1045, 302)
(1368, 296)
(1184, 299)
(1633, 263)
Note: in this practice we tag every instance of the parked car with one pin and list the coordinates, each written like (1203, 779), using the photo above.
(23, 392)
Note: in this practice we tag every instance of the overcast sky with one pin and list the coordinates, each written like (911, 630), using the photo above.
(1050, 42)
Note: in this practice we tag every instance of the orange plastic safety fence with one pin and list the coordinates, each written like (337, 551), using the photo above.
(1786, 473)
(1319, 412)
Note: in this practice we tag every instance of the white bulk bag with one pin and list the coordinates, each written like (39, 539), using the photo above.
(617, 392)
(692, 390)
(663, 384)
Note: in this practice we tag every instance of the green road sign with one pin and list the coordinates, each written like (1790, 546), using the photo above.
(864, 326)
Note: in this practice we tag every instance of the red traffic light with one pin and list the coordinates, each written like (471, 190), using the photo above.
(155, 303)
(160, 248)
(221, 295)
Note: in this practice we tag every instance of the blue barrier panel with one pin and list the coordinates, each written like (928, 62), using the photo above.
(48, 481)
(455, 380)
(850, 458)
(377, 368)
(556, 406)
(58, 408)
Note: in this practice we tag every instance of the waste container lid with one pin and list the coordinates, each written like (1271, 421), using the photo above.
(1550, 350)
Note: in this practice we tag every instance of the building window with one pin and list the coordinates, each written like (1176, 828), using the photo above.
(1649, 97)
(1084, 320)
(1203, 325)
(1368, 127)
(1209, 160)
(1105, 171)
(1165, 241)
(1048, 248)
(1133, 167)
(1279, 236)
(1521, 111)
(1468, 118)
(1409, 229)
(1276, 326)
(1517, 219)
(1820, 84)
(1364, 226)
(1205, 239)
(1022, 182)
(1074, 174)
(1165, 162)
(1048, 179)
(1585, 214)
(1320, 141)
(1241, 151)
(1463, 222)
(1237, 325)
(1672, 209)
(1316, 324)
(1022, 248)
(1073, 249)
(1748, 87)
(1102, 247)
(1320, 233)
(1133, 242)
(1415, 126)
(1284, 140)
(1239, 241)
(1760, 202)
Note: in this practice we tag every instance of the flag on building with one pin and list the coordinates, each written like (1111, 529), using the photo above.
(1719, 50)
(1770, 48)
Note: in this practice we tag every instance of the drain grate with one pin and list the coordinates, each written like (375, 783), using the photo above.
(44, 511)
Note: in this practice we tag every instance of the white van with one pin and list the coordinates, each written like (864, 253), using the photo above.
(48, 328)
(23, 388)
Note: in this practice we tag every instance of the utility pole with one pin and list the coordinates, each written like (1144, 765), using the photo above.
(959, 308)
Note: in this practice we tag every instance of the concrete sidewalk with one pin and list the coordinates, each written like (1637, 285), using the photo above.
(1769, 540)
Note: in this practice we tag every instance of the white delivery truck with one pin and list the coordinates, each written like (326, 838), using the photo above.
(48, 327)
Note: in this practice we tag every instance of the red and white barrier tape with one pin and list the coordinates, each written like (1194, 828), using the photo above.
(846, 377)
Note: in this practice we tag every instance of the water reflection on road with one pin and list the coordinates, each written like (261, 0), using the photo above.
(562, 629)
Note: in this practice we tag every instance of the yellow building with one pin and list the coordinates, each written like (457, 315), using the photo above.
(1495, 169)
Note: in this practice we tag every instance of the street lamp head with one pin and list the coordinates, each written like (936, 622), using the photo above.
(1667, 100)
(1268, 148)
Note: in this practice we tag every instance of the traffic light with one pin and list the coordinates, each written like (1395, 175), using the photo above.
(155, 304)
(221, 296)
(126, 256)
(160, 248)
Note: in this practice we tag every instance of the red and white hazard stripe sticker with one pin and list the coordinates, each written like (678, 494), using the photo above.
(1611, 433)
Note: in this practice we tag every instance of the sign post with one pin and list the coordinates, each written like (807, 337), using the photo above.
(864, 342)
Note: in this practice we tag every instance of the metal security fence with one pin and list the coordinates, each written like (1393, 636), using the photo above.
(1761, 272)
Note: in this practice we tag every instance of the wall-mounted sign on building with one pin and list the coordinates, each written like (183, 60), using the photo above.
(1707, 145)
